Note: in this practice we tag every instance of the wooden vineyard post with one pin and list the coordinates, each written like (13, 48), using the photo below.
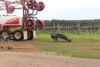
(78, 28)
(99, 28)
(58, 27)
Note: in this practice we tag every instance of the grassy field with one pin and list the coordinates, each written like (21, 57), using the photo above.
(84, 45)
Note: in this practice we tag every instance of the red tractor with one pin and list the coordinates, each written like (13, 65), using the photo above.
(20, 28)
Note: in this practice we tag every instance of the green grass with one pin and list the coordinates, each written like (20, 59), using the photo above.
(82, 46)
(81, 37)
(85, 37)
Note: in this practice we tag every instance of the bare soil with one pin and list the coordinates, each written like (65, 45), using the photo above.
(18, 46)
(24, 54)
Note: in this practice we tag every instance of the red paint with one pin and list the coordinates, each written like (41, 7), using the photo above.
(13, 21)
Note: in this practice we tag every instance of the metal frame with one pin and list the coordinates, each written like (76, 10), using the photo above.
(26, 14)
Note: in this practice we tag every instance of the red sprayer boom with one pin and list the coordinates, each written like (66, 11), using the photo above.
(28, 22)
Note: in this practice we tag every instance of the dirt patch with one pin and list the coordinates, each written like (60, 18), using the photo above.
(97, 49)
(25, 54)
(18, 59)
(22, 46)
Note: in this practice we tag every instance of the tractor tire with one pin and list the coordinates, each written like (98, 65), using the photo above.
(5, 34)
(30, 35)
(18, 35)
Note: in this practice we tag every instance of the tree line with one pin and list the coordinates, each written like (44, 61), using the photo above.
(73, 25)
(71, 22)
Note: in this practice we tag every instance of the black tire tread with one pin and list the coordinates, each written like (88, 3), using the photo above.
(21, 32)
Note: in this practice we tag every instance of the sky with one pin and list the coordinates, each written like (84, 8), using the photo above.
(69, 10)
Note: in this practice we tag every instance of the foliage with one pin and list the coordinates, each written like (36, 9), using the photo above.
(71, 22)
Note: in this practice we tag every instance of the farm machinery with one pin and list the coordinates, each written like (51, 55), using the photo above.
(20, 28)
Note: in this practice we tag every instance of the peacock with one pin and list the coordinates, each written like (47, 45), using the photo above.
(57, 35)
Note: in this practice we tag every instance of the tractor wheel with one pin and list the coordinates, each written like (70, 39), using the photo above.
(18, 35)
(5, 34)
(30, 35)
